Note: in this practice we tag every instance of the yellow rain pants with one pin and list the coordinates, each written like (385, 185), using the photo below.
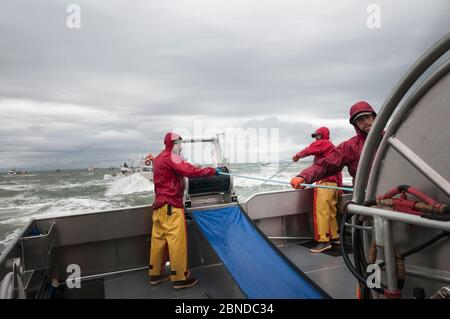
(325, 208)
(169, 233)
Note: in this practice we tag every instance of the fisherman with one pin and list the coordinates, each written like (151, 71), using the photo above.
(325, 200)
(362, 116)
(169, 231)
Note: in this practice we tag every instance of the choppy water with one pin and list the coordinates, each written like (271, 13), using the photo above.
(51, 193)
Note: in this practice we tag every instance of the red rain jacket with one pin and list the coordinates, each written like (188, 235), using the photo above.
(346, 154)
(321, 149)
(168, 172)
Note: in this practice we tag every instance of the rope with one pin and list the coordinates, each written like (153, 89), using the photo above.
(278, 172)
(270, 178)
(265, 163)
(287, 183)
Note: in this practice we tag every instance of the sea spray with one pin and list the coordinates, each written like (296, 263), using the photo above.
(134, 183)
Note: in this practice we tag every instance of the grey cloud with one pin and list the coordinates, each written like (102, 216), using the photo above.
(136, 69)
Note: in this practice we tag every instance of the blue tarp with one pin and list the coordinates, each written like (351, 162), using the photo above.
(258, 267)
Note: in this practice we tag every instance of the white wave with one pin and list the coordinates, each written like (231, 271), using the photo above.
(108, 177)
(16, 187)
(25, 212)
(60, 208)
(9, 237)
(111, 178)
(71, 205)
(29, 207)
(67, 185)
(22, 198)
(134, 183)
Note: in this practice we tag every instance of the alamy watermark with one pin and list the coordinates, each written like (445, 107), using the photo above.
(73, 20)
(374, 18)
(74, 279)
(374, 279)
(237, 144)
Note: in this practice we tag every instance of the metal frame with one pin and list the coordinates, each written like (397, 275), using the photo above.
(36, 250)
(389, 139)
(199, 199)
(216, 144)
(367, 172)
(397, 94)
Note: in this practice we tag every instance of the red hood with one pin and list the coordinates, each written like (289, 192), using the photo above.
(168, 140)
(324, 131)
(357, 108)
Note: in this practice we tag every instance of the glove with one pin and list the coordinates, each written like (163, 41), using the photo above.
(295, 158)
(296, 181)
(218, 171)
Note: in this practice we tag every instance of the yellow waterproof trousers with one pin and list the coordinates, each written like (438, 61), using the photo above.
(169, 233)
(325, 208)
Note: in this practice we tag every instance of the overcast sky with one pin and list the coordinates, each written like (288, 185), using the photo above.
(109, 90)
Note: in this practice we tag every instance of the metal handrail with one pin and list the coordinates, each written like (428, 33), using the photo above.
(398, 217)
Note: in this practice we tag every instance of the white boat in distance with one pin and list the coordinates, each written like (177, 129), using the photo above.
(145, 168)
(14, 173)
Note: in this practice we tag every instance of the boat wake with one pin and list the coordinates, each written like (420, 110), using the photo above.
(124, 185)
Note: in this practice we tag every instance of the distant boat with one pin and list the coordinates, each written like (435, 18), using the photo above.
(91, 169)
(13, 172)
(126, 169)
(145, 168)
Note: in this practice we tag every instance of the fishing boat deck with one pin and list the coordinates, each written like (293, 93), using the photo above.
(327, 271)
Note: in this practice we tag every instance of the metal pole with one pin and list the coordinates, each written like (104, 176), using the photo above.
(368, 228)
(199, 140)
(439, 181)
(399, 217)
(389, 255)
(103, 275)
(440, 276)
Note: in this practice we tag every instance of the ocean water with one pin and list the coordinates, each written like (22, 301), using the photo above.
(52, 193)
